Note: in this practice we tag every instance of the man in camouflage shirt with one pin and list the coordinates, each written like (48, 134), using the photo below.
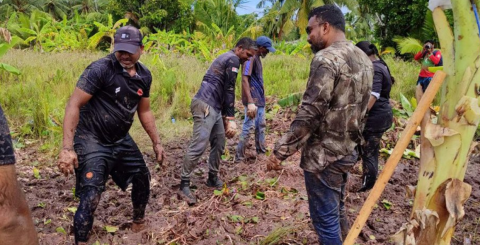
(329, 122)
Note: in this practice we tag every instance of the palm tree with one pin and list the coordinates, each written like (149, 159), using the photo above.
(89, 6)
(22, 6)
(276, 22)
(56, 8)
(299, 10)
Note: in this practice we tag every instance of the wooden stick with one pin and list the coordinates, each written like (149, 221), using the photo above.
(395, 157)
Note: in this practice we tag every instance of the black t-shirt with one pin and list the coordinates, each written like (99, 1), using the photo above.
(218, 85)
(7, 155)
(380, 115)
(109, 114)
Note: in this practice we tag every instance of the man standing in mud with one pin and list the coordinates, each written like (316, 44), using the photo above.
(16, 225)
(96, 142)
(329, 121)
(213, 115)
(253, 99)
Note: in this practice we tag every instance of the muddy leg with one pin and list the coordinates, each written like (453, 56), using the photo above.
(83, 220)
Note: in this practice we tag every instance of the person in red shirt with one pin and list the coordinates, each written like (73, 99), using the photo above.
(428, 57)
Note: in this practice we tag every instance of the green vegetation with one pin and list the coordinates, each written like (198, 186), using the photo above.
(34, 101)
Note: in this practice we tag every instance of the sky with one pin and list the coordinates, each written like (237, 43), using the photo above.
(251, 6)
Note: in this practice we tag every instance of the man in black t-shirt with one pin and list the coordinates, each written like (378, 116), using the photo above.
(16, 225)
(96, 142)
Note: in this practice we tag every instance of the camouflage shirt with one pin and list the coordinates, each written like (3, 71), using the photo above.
(331, 116)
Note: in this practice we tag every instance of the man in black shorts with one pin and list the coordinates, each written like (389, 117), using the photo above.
(96, 142)
(16, 225)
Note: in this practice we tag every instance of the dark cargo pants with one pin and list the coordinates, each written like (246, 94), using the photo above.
(207, 127)
(326, 193)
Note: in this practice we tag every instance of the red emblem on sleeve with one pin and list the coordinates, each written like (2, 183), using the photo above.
(140, 92)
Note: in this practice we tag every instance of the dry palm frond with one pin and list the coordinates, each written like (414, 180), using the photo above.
(5, 34)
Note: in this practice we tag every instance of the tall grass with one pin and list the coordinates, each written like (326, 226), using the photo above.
(34, 101)
(406, 75)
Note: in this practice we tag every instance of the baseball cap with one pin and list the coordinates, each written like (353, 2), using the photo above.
(265, 42)
(128, 39)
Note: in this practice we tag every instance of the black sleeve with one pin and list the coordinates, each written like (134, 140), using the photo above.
(148, 82)
(377, 81)
(7, 156)
(231, 72)
(92, 78)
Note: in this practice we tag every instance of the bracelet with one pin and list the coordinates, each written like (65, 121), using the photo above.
(67, 148)
(251, 103)
(230, 118)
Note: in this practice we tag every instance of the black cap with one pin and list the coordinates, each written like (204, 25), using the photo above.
(128, 39)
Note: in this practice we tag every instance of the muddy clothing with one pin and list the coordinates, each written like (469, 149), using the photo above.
(109, 114)
(254, 70)
(207, 127)
(258, 124)
(218, 85)
(328, 127)
(96, 162)
(102, 143)
(7, 156)
(330, 118)
(326, 196)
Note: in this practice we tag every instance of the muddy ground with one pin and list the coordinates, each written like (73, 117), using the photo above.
(259, 207)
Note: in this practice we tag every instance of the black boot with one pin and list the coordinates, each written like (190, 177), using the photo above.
(214, 181)
(187, 195)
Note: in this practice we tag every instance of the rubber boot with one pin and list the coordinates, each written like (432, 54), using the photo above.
(186, 193)
(214, 181)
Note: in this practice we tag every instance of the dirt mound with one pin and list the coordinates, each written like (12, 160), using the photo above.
(256, 207)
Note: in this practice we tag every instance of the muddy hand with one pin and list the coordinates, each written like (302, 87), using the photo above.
(251, 110)
(231, 129)
(159, 153)
(273, 163)
(67, 161)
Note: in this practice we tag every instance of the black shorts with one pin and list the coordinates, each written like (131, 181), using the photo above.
(97, 161)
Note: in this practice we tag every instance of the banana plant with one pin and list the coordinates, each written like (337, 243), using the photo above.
(4, 47)
(35, 30)
(441, 192)
(105, 31)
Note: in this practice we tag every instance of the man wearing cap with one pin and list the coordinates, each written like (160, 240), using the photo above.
(96, 142)
(213, 109)
(253, 99)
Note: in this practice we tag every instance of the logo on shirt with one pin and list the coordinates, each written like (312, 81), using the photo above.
(235, 69)
(117, 90)
(140, 92)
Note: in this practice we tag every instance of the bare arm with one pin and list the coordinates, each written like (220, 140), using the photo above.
(246, 88)
(147, 119)
(72, 114)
